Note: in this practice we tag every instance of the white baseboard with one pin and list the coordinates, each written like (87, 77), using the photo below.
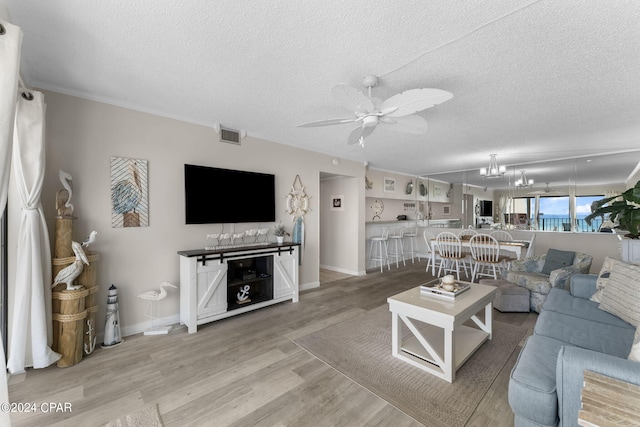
(340, 270)
(310, 285)
(143, 326)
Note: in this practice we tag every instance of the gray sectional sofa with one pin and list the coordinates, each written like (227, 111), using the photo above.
(571, 334)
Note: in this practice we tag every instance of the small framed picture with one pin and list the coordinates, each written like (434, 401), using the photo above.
(446, 210)
(337, 203)
(389, 185)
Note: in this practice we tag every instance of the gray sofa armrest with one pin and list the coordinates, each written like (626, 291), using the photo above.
(583, 285)
(570, 367)
(560, 278)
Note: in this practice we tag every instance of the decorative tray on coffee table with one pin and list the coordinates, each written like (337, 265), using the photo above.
(438, 291)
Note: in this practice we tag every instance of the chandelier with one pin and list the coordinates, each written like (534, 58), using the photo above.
(493, 171)
(523, 182)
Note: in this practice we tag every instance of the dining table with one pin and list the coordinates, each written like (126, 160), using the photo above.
(515, 246)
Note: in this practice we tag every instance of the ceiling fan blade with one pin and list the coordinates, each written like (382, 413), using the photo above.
(414, 100)
(352, 99)
(359, 132)
(408, 124)
(328, 122)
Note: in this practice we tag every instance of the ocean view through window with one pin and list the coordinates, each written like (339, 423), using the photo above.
(554, 213)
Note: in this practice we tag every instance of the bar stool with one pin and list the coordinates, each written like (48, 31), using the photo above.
(396, 249)
(410, 234)
(378, 250)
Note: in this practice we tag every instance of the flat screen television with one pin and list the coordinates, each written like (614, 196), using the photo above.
(214, 196)
(486, 208)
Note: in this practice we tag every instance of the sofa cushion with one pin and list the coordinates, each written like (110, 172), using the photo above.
(603, 278)
(601, 337)
(634, 354)
(532, 387)
(557, 259)
(561, 301)
(622, 294)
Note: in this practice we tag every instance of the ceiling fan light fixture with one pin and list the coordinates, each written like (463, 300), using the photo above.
(493, 171)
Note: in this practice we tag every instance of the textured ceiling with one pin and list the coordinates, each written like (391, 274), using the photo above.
(532, 80)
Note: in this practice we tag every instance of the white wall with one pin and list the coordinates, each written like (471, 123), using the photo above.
(339, 228)
(82, 136)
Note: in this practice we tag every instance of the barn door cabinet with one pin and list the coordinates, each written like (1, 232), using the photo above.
(215, 284)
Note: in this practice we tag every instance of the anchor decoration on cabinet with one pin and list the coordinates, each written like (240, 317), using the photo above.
(243, 294)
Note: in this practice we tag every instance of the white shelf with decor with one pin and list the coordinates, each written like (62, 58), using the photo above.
(216, 284)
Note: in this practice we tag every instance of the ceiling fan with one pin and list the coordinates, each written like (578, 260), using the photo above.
(544, 191)
(396, 112)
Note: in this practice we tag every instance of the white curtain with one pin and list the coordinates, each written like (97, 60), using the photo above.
(536, 223)
(10, 43)
(31, 332)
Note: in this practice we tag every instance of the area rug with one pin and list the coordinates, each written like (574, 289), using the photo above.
(146, 417)
(360, 348)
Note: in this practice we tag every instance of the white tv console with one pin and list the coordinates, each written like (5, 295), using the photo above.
(219, 283)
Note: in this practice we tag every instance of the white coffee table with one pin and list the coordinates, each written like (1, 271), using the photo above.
(445, 344)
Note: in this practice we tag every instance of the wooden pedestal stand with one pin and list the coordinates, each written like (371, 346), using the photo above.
(73, 311)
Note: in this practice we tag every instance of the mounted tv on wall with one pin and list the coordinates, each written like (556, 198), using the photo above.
(486, 208)
(214, 196)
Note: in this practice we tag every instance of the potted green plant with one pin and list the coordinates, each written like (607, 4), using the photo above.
(279, 231)
(625, 213)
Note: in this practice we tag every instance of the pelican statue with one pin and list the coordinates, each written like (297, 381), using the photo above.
(89, 240)
(70, 273)
(151, 297)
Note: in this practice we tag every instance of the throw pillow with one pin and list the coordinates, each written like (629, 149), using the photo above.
(622, 295)
(556, 259)
(635, 348)
(603, 279)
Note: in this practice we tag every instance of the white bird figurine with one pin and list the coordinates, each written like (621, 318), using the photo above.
(67, 183)
(151, 297)
(155, 296)
(70, 273)
(89, 240)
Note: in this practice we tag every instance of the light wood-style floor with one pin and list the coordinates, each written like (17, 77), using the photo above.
(242, 371)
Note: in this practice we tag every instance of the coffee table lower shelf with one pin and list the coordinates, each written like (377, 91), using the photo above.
(466, 340)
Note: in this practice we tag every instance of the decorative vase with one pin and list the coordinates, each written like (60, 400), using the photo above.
(280, 239)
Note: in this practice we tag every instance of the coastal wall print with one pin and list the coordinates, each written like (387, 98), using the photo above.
(129, 192)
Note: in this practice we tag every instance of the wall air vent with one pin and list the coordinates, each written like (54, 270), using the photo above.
(230, 136)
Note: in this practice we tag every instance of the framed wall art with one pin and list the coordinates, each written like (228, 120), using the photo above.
(129, 192)
(389, 185)
(337, 203)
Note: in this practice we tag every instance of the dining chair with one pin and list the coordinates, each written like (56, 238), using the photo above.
(430, 254)
(451, 255)
(467, 232)
(531, 248)
(485, 251)
(504, 236)
(501, 235)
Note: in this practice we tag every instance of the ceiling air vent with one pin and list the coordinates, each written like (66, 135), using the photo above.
(229, 135)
